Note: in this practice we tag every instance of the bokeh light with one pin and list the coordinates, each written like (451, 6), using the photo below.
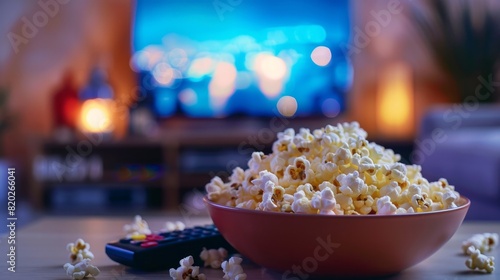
(270, 66)
(188, 97)
(330, 107)
(321, 55)
(287, 106)
(222, 85)
(165, 75)
(270, 88)
(177, 57)
(200, 67)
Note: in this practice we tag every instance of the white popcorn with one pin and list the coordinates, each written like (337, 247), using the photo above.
(397, 172)
(342, 156)
(237, 176)
(249, 204)
(351, 185)
(302, 204)
(186, 270)
(484, 242)
(81, 269)
(213, 257)
(345, 202)
(218, 191)
(364, 204)
(392, 190)
(385, 206)
(264, 177)
(272, 197)
(79, 250)
(173, 226)
(298, 171)
(479, 261)
(449, 198)
(359, 174)
(139, 226)
(325, 202)
(256, 161)
(233, 270)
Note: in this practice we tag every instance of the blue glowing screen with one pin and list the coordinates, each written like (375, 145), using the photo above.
(217, 58)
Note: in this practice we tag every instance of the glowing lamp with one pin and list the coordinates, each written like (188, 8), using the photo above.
(395, 102)
(95, 116)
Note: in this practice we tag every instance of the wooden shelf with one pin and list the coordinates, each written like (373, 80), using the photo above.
(178, 135)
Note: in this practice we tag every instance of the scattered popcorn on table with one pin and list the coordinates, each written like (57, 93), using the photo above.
(484, 242)
(362, 177)
(233, 270)
(138, 227)
(81, 270)
(173, 226)
(213, 257)
(187, 271)
(79, 250)
(479, 261)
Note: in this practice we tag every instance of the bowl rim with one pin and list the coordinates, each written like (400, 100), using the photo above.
(465, 204)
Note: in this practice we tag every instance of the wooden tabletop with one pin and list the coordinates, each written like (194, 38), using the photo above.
(41, 251)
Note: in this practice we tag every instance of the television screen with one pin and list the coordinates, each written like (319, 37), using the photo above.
(218, 58)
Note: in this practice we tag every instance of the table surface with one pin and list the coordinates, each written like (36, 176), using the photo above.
(41, 251)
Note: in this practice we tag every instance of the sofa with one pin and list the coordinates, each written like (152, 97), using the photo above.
(462, 144)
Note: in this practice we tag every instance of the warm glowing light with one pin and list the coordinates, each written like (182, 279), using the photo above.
(270, 66)
(222, 85)
(330, 107)
(201, 67)
(95, 116)
(188, 97)
(271, 88)
(287, 106)
(395, 101)
(321, 56)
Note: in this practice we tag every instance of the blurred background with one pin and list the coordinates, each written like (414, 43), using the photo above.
(121, 106)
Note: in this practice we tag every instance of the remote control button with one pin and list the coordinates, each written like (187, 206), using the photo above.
(167, 240)
(138, 237)
(149, 244)
(153, 237)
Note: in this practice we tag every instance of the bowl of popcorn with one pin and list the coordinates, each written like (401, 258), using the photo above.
(331, 203)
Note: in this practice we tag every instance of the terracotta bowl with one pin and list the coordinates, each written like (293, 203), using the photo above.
(300, 245)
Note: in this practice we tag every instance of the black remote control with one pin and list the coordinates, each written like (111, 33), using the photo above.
(164, 250)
